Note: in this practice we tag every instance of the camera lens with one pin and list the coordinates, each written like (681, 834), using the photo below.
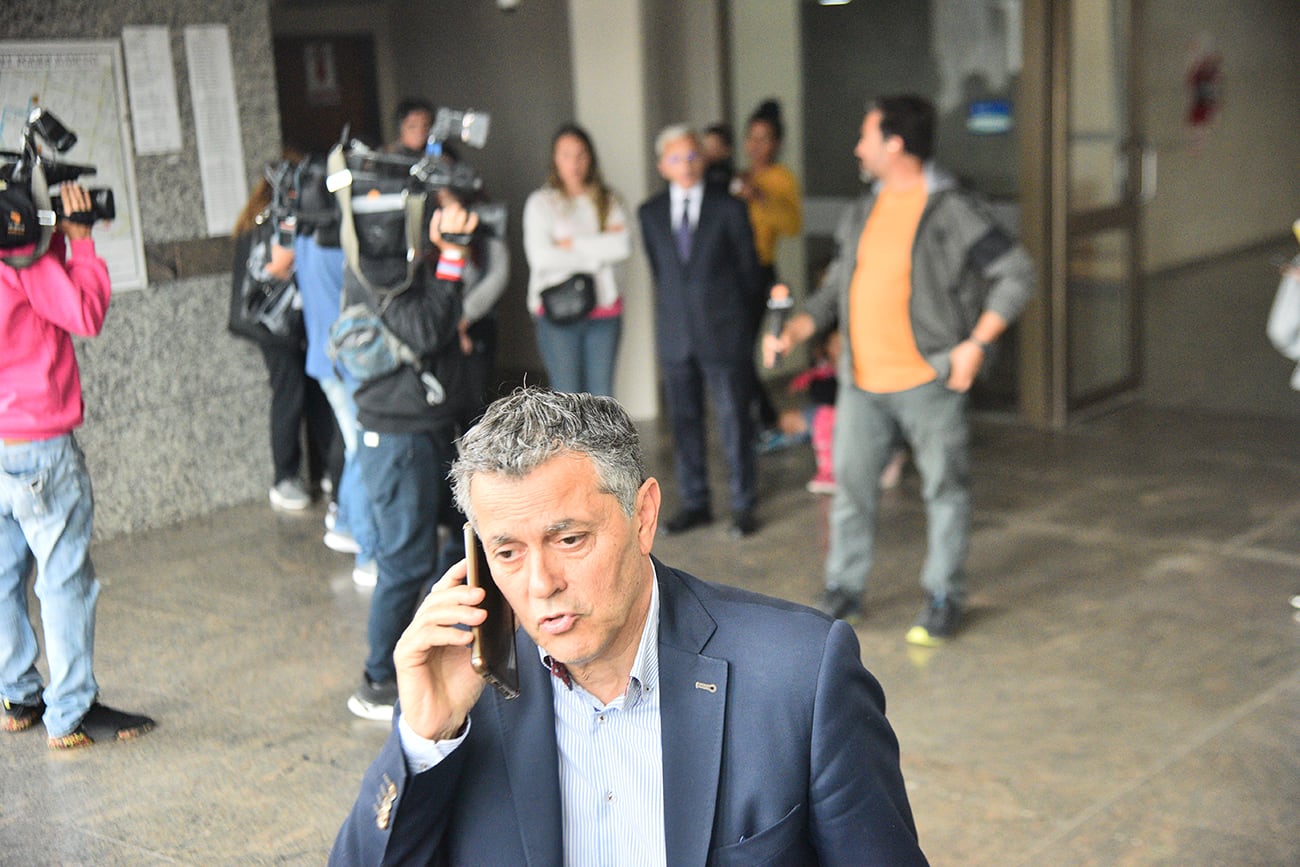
(102, 206)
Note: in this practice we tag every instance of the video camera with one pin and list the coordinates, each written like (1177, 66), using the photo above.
(382, 186)
(433, 171)
(28, 177)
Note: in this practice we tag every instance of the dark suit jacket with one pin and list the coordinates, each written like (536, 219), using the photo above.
(790, 752)
(709, 306)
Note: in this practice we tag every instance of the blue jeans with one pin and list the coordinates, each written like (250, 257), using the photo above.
(46, 512)
(932, 420)
(579, 357)
(355, 515)
(405, 475)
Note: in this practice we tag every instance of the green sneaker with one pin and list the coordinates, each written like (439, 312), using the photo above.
(936, 623)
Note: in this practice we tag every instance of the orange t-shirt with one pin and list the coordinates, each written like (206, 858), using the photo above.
(885, 357)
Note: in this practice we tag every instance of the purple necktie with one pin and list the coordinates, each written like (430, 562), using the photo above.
(684, 231)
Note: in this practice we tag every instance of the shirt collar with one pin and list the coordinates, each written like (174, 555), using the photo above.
(676, 193)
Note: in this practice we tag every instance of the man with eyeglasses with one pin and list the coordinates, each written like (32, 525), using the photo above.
(707, 281)
(660, 719)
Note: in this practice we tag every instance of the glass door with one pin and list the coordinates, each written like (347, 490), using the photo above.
(1097, 298)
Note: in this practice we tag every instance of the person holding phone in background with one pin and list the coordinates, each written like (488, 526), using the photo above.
(645, 693)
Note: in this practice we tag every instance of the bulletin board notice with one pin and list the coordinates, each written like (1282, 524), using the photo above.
(82, 83)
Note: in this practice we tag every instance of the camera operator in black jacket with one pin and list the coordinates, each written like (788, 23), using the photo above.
(407, 441)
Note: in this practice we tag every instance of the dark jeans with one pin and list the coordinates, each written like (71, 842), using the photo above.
(296, 399)
(405, 475)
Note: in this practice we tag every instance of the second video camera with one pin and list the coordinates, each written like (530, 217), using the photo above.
(19, 170)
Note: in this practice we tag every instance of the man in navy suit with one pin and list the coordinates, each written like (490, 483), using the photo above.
(707, 306)
(661, 719)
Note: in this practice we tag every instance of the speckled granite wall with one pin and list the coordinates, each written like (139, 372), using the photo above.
(176, 409)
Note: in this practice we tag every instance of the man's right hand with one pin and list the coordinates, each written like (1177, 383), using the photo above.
(796, 331)
(435, 681)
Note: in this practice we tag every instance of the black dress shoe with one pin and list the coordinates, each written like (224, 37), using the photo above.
(743, 523)
(688, 519)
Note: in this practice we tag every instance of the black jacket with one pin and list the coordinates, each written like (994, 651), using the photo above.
(425, 317)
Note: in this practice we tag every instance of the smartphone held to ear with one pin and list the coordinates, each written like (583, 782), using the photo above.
(493, 651)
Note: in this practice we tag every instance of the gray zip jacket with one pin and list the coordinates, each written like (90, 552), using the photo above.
(963, 263)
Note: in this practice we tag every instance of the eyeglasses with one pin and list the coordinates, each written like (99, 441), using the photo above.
(678, 159)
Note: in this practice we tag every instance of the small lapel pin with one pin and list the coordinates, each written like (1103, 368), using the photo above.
(707, 687)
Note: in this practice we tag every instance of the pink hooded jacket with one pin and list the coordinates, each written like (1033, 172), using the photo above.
(64, 292)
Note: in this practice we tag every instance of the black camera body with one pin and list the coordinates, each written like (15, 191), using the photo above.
(29, 177)
(102, 206)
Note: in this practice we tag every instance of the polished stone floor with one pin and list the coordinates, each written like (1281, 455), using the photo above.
(1127, 690)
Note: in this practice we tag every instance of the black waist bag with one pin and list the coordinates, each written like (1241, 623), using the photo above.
(571, 300)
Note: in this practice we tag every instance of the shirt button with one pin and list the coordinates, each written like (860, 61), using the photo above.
(600, 718)
(609, 797)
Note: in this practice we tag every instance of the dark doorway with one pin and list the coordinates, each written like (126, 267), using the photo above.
(323, 83)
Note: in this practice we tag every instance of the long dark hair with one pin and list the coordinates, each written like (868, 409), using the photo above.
(600, 193)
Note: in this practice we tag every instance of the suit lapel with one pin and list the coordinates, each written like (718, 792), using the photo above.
(532, 764)
(668, 233)
(692, 711)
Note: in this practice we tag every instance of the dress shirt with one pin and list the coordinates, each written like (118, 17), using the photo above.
(675, 196)
(610, 758)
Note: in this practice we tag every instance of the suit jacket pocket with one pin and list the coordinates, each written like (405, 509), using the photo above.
(786, 842)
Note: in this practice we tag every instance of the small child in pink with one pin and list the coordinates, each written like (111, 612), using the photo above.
(819, 383)
(815, 421)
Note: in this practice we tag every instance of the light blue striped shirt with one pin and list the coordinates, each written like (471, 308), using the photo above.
(611, 763)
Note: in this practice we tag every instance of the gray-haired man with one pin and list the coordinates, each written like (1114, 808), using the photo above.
(646, 694)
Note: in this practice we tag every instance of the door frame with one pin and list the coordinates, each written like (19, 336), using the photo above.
(1048, 227)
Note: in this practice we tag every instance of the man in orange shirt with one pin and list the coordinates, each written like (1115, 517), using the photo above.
(923, 283)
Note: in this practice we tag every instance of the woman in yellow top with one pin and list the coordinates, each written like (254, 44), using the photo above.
(775, 208)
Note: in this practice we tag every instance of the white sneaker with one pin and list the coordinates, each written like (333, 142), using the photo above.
(289, 496)
(374, 700)
(338, 540)
(366, 575)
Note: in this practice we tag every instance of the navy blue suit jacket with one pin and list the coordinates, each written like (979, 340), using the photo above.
(775, 749)
(708, 306)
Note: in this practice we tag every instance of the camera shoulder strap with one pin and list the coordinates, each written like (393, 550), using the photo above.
(340, 183)
(434, 392)
(45, 217)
